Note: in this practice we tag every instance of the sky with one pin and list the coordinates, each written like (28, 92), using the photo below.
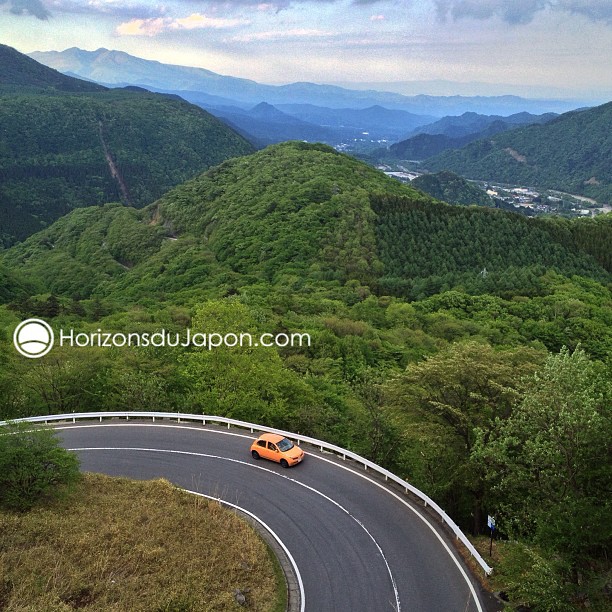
(560, 48)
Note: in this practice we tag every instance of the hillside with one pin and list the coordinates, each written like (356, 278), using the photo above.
(60, 151)
(427, 247)
(305, 212)
(292, 208)
(456, 132)
(571, 153)
(473, 123)
(18, 69)
(450, 187)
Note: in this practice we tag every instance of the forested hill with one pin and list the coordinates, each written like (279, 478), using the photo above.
(571, 153)
(298, 213)
(61, 150)
(452, 188)
(20, 70)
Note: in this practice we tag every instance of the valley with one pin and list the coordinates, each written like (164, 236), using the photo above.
(448, 257)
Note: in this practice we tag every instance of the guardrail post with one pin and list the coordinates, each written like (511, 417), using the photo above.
(154, 418)
(228, 425)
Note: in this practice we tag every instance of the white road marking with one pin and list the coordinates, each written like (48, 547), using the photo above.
(272, 533)
(258, 467)
(335, 463)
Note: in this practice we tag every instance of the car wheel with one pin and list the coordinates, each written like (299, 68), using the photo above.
(284, 463)
(255, 454)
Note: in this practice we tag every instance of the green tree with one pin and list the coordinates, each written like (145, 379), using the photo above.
(547, 465)
(244, 382)
(33, 466)
(461, 388)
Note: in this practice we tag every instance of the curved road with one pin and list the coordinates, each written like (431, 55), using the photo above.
(358, 545)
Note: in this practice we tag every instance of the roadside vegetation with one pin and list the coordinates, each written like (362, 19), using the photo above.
(117, 544)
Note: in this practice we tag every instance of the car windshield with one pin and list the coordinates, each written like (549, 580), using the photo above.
(285, 445)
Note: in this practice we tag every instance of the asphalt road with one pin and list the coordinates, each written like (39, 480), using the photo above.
(358, 546)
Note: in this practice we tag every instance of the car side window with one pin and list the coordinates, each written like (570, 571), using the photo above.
(261, 443)
(271, 446)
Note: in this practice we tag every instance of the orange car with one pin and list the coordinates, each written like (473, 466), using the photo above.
(277, 448)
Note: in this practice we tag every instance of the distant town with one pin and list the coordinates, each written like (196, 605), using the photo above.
(526, 200)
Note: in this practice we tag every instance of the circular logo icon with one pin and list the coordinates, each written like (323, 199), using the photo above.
(33, 338)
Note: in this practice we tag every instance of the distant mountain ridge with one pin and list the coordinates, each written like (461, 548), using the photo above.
(472, 123)
(456, 132)
(571, 153)
(107, 66)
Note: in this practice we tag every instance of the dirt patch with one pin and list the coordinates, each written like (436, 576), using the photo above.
(516, 155)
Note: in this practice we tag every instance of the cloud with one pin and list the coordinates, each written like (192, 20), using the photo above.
(158, 25)
(142, 27)
(377, 18)
(511, 11)
(273, 35)
(597, 10)
(28, 7)
(521, 11)
(120, 9)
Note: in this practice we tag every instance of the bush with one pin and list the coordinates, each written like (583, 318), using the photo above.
(533, 578)
(33, 466)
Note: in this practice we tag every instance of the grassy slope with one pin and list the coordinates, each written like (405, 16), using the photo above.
(123, 545)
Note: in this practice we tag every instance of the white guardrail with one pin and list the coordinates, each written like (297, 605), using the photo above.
(323, 446)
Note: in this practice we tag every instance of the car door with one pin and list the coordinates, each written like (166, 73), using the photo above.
(273, 452)
(261, 447)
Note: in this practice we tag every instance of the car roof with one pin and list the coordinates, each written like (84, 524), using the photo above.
(271, 437)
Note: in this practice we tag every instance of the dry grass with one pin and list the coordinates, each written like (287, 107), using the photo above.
(118, 544)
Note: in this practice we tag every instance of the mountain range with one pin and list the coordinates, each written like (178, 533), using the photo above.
(456, 132)
(119, 68)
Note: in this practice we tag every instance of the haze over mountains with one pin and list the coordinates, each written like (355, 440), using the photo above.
(119, 68)
(454, 132)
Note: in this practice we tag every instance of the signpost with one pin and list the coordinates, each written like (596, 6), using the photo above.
(491, 526)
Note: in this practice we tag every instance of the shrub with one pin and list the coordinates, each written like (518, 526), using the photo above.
(33, 466)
